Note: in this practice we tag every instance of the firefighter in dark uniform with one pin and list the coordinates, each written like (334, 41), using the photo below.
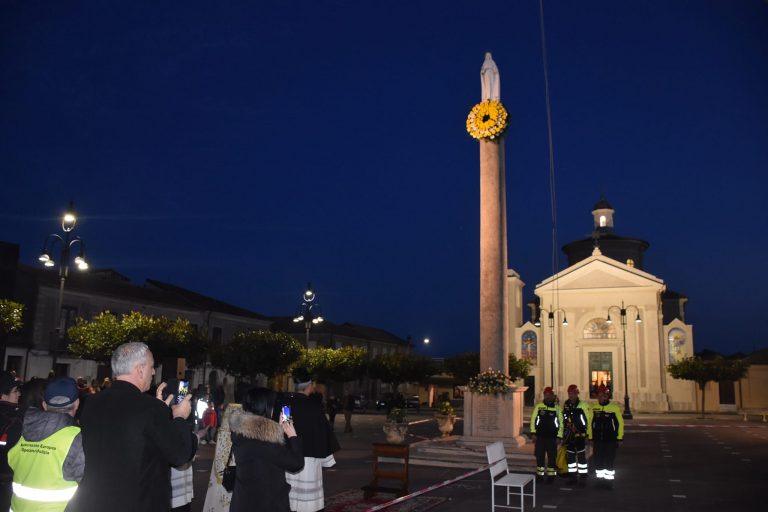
(577, 428)
(607, 433)
(547, 428)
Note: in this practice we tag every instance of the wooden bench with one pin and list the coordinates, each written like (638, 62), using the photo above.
(754, 412)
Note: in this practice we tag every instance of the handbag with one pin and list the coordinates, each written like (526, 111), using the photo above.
(229, 475)
(562, 460)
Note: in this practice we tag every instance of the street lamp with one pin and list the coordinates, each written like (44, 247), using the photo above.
(551, 320)
(309, 311)
(67, 242)
(426, 341)
(623, 312)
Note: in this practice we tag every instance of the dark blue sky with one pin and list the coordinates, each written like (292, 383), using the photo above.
(241, 149)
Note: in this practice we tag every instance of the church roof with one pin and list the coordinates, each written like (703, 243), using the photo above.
(598, 260)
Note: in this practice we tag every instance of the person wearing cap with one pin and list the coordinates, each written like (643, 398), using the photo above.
(577, 428)
(10, 431)
(318, 445)
(131, 439)
(607, 433)
(48, 460)
(546, 428)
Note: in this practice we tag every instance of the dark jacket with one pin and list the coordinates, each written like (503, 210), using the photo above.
(317, 438)
(130, 440)
(262, 457)
(547, 421)
(607, 423)
(10, 431)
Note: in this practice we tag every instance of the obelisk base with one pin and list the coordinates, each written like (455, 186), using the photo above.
(494, 417)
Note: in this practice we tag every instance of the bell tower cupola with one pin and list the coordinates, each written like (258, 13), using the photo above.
(603, 217)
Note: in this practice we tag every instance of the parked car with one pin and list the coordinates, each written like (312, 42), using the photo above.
(390, 400)
(413, 402)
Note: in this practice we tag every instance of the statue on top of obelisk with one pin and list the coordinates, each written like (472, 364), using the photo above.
(486, 122)
(490, 82)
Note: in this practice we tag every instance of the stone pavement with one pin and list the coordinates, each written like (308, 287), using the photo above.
(673, 462)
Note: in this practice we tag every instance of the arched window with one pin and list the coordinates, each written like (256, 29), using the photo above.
(529, 347)
(676, 340)
(599, 329)
(603, 221)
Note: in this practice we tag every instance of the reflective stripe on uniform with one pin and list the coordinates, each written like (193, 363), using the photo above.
(609, 474)
(43, 495)
(583, 468)
(600, 473)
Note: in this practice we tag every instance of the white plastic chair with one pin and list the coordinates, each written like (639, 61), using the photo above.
(509, 480)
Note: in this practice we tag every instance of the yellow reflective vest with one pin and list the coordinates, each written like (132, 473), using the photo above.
(38, 475)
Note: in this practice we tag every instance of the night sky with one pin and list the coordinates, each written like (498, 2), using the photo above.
(241, 149)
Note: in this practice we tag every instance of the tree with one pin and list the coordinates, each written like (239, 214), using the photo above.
(10, 316)
(10, 321)
(518, 368)
(466, 365)
(251, 353)
(331, 365)
(463, 366)
(98, 337)
(702, 371)
(399, 367)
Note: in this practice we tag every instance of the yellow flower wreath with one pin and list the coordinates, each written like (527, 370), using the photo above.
(487, 120)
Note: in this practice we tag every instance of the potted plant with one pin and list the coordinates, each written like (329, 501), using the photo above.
(445, 417)
(396, 426)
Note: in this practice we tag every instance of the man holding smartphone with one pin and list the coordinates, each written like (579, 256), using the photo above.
(131, 438)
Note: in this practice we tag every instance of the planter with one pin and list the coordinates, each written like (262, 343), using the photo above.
(445, 423)
(395, 432)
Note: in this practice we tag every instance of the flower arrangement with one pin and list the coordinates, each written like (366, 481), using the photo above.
(487, 120)
(446, 409)
(397, 415)
(490, 382)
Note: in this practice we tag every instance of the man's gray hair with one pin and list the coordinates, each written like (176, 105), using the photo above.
(127, 356)
(301, 386)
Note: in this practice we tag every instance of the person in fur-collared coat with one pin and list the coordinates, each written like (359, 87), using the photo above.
(262, 455)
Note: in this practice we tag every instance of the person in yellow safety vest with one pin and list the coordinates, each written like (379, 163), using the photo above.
(547, 428)
(607, 433)
(48, 460)
(577, 429)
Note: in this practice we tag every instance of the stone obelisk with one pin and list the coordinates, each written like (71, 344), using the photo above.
(493, 237)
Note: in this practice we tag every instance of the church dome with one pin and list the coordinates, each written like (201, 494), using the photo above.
(602, 204)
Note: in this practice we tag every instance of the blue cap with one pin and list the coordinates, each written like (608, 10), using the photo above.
(61, 392)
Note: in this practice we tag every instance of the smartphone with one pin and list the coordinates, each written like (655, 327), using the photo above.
(285, 414)
(182, 391)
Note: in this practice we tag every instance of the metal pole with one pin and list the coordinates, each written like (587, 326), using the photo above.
(552, 348)
(63, 270)
(627, 411)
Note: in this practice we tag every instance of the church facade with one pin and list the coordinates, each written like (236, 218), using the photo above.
(604, 321)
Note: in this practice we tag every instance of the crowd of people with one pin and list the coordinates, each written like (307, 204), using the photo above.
(69, 445)
(573, 426)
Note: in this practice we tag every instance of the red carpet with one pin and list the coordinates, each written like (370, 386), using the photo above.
(352, 501)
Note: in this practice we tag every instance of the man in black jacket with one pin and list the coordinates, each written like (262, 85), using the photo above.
(131, 439)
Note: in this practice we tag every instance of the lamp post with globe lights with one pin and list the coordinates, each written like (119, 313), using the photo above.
(309, 311)
(627, 414)
(67, 241)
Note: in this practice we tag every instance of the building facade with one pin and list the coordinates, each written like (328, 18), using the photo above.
(604, 320)
(29, 352)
